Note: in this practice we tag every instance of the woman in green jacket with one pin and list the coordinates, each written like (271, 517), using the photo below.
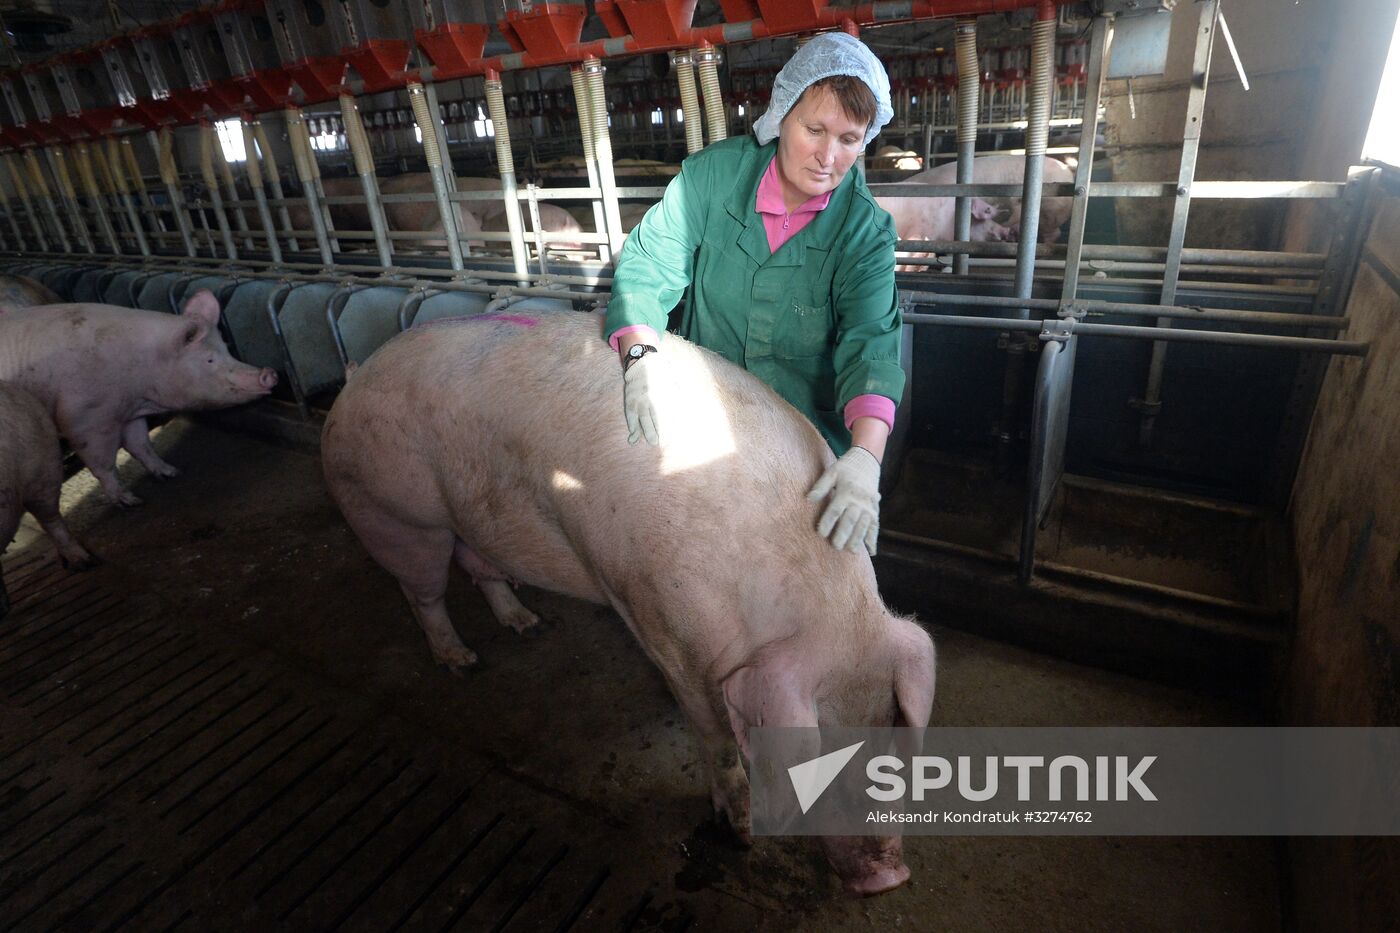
(789, 266)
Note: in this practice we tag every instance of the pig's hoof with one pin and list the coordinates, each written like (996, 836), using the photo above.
(129, 501)
(165, 471)
(79, 561)
(457, 663)
(525, 622)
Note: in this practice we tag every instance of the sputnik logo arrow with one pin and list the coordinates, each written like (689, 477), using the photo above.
(811, 778)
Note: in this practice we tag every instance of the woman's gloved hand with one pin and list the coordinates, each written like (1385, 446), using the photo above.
(638, 384)
(852, 517)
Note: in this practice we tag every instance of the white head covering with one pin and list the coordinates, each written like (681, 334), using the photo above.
(827, 54)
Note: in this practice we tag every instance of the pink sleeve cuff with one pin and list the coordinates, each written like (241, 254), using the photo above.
(870, 406)
(645, 331)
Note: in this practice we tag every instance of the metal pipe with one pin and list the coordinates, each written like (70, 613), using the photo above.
(590, 159)
(449, 173)
(226, 173)
(84, 165)
(303, 162)
(112, 162)
(22, 190)
(274, 177)
(57, 158)
(364, 167)
(211, 185)
(448, 214)
(505, 164)
(45, 198)
(969, 92)
(1037, 132)
(684, 68)
(1151, 402)
(1197, 257)
(1102, 35)
(253, 168)
(10, 219)
(1090, 306)
(707, 59)
(164, 144)
(593, 71)
(1269, 341)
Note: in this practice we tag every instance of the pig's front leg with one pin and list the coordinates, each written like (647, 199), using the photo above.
(95, 440)
(729, 784)
(136, 438)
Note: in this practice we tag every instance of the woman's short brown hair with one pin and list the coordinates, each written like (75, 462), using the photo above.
(853, 94)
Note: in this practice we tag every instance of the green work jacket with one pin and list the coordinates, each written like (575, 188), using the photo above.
(818, 320)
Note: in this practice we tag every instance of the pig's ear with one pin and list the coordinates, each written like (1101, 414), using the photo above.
(913, 673)
(203, 307)
(770, 694)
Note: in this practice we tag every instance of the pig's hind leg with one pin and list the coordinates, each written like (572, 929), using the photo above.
(44, 507)
(419, 558)
(136, 438)
(497, 589)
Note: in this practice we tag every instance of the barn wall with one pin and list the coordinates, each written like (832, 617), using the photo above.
(1345, 664)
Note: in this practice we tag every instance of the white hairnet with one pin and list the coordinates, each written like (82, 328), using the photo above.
(827, 54)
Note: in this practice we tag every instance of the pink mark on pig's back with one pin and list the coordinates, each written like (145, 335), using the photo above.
(471, 318)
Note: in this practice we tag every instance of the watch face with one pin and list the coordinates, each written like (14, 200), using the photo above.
(636, 351)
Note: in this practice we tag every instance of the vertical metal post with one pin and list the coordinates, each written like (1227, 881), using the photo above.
(240, 217)
(111, 167)
(94, 196)
(268, 160)
(969, 92)
(253, 170)
(41, 192)
(164, 144)
(305, 165)
(68, 195)
(127, 156)
(1037, 133)
(449, 173)
(593, 71)
(1101, 35)
(1050, 411)
(22, 191)
(207, 142)
(590, 158)
(1151, 403)
(425, 117)
(364, 167)
(505, 164)
(10, 218)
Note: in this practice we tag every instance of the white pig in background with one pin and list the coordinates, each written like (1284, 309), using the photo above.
(1009, 170)
(20, 291)
(706, 547)
(31, 476)
(100, 371)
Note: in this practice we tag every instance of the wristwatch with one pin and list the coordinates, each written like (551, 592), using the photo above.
(636, 352)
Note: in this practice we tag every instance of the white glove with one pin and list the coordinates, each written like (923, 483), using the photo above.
(852, 517)
(638, 384)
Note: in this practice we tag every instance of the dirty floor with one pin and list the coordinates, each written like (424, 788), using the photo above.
(554, 788)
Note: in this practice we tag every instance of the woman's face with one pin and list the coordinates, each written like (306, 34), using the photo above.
(817, 145)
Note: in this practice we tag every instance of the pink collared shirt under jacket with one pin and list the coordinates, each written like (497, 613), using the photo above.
(782, 225)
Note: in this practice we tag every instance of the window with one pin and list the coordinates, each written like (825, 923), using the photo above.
(231, 138)
(1383, 139)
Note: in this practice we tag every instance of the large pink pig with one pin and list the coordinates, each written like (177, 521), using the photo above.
(101, 371)
(31, 476)
(933, 218)
(706, 546)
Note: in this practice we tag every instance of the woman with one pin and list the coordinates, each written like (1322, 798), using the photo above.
(790, 268)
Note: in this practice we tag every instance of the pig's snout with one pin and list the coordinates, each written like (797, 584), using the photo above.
(267, 378)
(867, 865)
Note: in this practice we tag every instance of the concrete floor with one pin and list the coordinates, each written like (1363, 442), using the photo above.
(246, 548)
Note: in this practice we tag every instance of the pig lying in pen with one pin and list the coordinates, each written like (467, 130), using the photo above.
(706, 547)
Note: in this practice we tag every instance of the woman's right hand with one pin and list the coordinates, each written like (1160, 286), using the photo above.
(638, 384)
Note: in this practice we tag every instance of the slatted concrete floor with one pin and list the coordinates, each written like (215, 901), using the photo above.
(151, 780)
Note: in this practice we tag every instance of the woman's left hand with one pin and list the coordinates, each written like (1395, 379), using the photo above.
(852, 517)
